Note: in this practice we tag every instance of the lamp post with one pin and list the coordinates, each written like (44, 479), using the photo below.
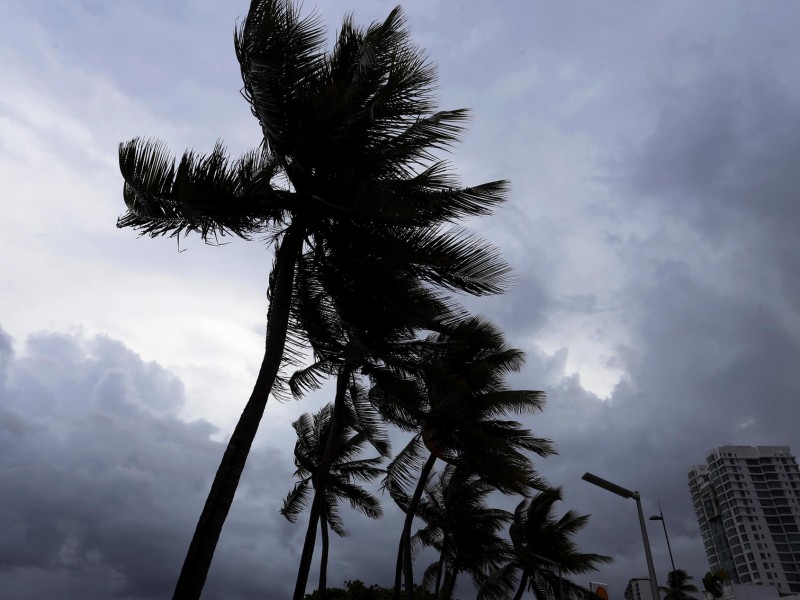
(626, 493)
(660, 517)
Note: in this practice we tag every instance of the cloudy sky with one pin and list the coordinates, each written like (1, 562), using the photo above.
(653, 152)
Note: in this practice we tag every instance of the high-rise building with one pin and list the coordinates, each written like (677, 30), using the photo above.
(747, 500)
(639, 589)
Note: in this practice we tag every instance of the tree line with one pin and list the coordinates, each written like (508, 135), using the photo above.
(350, 188)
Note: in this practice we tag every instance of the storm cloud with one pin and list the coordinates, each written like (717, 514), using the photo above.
(652, 152)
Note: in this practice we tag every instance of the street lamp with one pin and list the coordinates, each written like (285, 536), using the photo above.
(660, 517)
(626, 493)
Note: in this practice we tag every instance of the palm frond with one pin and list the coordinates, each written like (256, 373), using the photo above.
(501, 583)
(368, 420)
(309, 379)
(402, 472)
(295, 501)
(332, 516)
(360, 500)
(281, 56)
(458, 261)
(207, 194)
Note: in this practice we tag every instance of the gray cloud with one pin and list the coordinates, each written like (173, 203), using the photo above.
(652, 152)
(102, 483)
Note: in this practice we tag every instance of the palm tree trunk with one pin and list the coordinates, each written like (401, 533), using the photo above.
(450, 581)
(440, 568)
(521, 589)
(328, 456)
(408, 567)
(323, 559)
(398, 569)
(223, 489)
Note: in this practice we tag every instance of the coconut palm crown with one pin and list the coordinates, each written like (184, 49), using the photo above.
(346, 472)
(679, 586)
(544, 553)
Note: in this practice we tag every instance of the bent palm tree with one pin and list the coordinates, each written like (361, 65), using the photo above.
(464, 530)
(340, 347)
(713, 583)
(678, 586)
(543, 554)
(456, 399)
(343, 477)
(353, 132)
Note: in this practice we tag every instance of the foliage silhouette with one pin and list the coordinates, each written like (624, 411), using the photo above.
(343, 479)
(348, 173)
(678, 586)
(465, 531)
(356, 590)
(713, 582)
(543, 553)
(454, 397)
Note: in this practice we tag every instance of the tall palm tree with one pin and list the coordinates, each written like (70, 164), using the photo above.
(341, 346)
(679, 586)
(713, 582)
(455, 399)
(544, 553)
(460, 525)
(353, 133)
(343, 479)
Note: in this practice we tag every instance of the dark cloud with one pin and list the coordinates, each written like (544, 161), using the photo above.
(654, 157)
(710, 308)
(102, 483)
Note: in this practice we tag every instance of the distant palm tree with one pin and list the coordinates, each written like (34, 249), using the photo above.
(347, 170)
(544, 553)
(713, 582)
(343, 477)
(341, 345)
(465, 531)
(454, 395)
(678, 586)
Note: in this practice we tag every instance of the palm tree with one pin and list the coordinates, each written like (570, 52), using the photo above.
(543, 553)
(455, 400)
(713, 582)
(343, 477)
(353, 134)
(464, 530)
(678, 586)
(340, 347)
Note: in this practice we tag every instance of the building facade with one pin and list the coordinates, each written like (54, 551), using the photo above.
(747, 501)
(639, 589)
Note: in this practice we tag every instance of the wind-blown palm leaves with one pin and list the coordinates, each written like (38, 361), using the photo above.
(543, 553)
(345, 474)
(354, 136)
(454, 396)
(465, 531)
(713, 583)
(678, 586)
(341, 346)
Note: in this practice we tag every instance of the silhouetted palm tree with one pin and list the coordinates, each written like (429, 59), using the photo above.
(341, 346)
(464, 530)
(713, 582)
(544, 554)
(343, 477)
(353, 135)
(678, 586)
(454, 396)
